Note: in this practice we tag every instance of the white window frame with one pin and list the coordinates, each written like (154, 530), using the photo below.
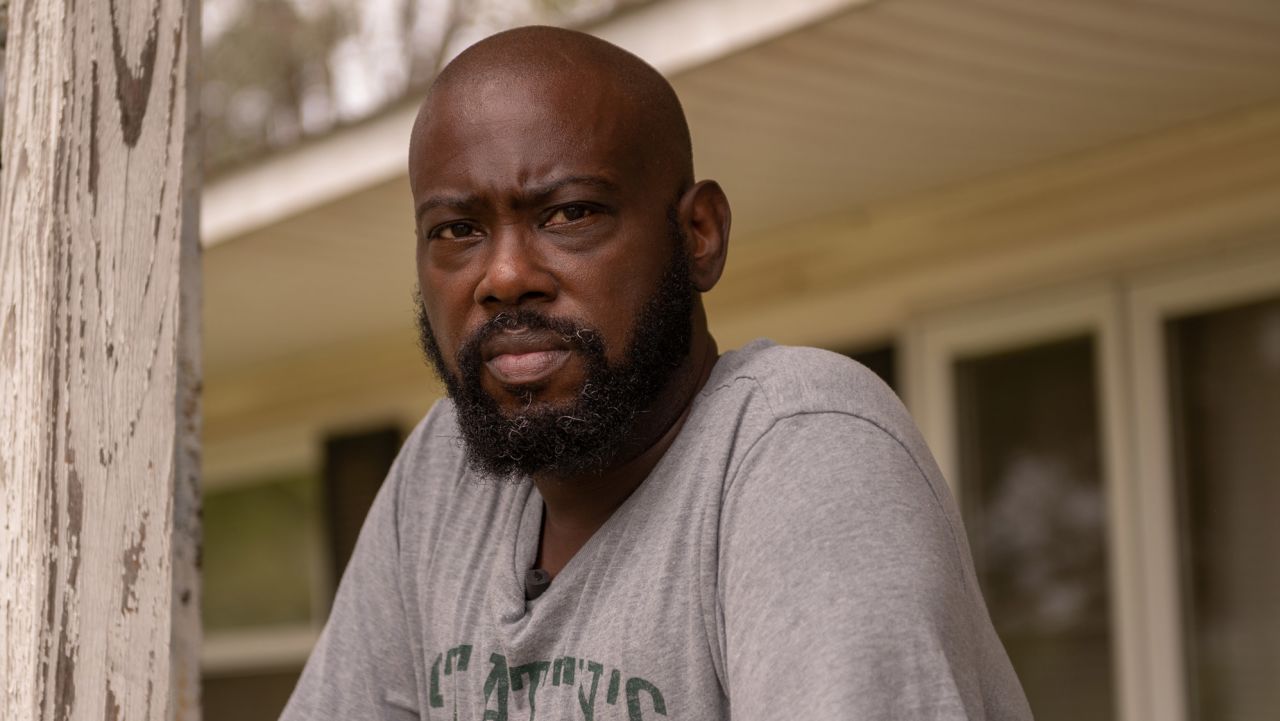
(934, 341)
(253, 651)
(1188, 288)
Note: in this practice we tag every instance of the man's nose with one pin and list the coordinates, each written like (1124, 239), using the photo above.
(516, 272)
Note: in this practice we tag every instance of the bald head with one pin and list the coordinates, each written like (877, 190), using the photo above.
(576, 83)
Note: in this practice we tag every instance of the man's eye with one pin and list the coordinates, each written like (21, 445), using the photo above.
(454, 231)
(569, 214)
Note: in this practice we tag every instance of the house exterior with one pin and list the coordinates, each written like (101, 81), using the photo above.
(1053, 227)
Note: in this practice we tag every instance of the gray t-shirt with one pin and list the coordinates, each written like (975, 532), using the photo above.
(794, 555)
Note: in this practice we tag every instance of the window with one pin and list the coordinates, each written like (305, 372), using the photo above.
(1224, 387)
(1013, 398)
(1120, 488)
(265, 591)
(261, 544)
(274, 548)
(1035, 511)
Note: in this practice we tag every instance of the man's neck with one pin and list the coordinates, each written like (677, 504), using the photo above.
(576, 507)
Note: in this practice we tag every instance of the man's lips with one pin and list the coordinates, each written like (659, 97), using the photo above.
(520, 357)
(522, 368)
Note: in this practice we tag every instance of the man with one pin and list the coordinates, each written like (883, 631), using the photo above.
(608, 519)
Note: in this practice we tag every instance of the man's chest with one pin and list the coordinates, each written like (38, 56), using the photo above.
(626, 631)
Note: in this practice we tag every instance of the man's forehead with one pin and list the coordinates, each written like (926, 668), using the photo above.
(527, 131)
(568, 99)
(525, 102)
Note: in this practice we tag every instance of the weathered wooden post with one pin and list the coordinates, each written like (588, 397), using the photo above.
(99, 361)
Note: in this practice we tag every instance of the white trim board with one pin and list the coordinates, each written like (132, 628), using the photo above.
(239, 652)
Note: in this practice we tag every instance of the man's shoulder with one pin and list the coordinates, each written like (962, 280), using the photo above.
(437, 429)
(432, 455)
(797, 380)
(813, 397)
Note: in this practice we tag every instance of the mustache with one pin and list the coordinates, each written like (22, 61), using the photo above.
(577, 336)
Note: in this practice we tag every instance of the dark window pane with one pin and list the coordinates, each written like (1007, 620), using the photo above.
(881, 362)
(259, 545)
(1225, 386)
(248, 697)
(1034, 507)
(354, 468)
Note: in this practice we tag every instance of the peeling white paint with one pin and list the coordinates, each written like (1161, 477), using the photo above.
(99, 363)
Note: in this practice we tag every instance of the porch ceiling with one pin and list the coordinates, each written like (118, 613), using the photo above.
(878, 102)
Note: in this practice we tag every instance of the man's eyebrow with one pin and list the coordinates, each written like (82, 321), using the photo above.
(457, 202)
(534, 193)
(595, 181)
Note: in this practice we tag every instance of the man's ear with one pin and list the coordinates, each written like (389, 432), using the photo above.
(705, 217)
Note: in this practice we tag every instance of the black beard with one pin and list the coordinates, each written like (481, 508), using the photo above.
(589, 433)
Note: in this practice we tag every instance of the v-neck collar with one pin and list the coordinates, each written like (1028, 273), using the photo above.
(523, 529)
(522, 550)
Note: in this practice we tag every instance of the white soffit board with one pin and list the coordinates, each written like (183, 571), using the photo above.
(672, 36)
(677, 35)
(302, 179)
(903, 96)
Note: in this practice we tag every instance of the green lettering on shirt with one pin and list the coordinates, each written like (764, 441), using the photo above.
(564, 671)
